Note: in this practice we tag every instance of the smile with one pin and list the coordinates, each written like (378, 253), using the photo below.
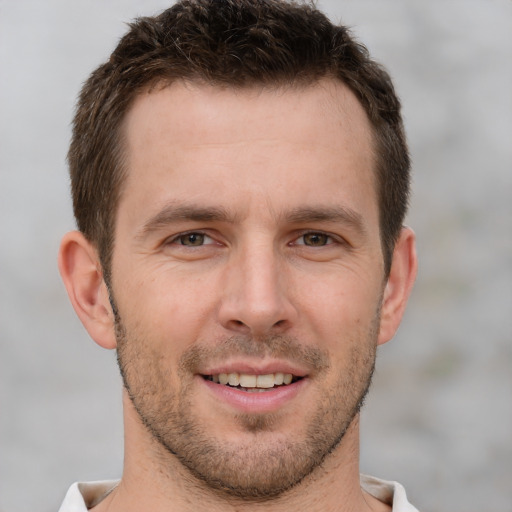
(252, 383)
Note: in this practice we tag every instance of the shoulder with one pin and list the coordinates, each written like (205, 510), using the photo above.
(82, 496)
(389, 492)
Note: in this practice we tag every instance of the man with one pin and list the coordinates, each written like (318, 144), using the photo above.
(240, 178)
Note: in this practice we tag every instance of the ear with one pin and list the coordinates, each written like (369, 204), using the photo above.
(399, 284)
(81, 272)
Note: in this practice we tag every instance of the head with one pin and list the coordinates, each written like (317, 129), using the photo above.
(229, 44)
(240, 178)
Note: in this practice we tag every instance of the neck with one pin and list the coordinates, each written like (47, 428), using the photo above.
(155, 480)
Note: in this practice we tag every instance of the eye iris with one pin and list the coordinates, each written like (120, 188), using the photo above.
(315, 239)
(193, 239)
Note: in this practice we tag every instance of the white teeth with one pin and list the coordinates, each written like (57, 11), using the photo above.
(234, 379)
(265, 381)
(253, 381)
(247, 381)
(278, 379)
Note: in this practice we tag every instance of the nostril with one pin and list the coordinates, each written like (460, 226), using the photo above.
(237, 326)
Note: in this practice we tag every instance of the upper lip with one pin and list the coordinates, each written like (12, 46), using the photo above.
(255, 368)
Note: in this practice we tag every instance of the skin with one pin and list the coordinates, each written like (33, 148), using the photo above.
(284, 270)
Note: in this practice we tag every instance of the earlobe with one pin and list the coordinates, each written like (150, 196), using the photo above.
(399, 284)
(81, 272)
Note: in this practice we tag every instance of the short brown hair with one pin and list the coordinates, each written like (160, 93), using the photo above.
(234, 43)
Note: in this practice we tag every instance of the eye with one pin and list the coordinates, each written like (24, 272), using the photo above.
(314, 239)
(192, 239)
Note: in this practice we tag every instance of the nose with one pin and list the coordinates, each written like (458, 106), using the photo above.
(256, 297)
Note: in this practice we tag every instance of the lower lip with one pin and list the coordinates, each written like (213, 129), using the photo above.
(255, 402)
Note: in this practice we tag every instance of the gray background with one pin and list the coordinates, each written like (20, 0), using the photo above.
(439, 418)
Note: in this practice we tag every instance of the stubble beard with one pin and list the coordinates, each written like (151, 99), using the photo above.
(268, 465)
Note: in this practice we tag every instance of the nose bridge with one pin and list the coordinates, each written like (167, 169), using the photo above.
(256, 297)
(260, 266)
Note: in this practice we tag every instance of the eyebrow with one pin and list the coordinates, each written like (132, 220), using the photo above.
(175, 212)
(335, 214)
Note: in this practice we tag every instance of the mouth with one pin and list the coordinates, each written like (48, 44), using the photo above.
(253, 383)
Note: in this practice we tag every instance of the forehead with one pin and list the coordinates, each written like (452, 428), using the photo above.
(195, 107)
(305, 143)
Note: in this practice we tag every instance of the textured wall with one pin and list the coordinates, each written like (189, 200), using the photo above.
(440, 415)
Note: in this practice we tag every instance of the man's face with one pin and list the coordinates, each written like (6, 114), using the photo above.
(247, 249)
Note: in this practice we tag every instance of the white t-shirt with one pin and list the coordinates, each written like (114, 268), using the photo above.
(83, 496)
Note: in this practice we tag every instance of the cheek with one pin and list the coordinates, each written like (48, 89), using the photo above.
(343, 311)
(352, 297)
(164, 306)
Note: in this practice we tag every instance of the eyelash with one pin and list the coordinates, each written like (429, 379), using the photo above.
(329, 239)
(179, 238)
